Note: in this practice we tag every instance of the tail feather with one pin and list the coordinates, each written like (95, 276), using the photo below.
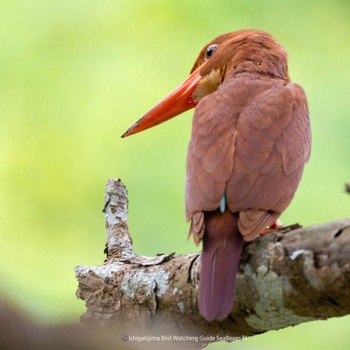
(222, 247)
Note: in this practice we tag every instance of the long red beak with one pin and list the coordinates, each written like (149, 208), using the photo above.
(179, 101)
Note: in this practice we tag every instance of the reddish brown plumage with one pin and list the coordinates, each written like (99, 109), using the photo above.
(250, 141)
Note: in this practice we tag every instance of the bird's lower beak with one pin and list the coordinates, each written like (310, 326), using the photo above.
(179, 101)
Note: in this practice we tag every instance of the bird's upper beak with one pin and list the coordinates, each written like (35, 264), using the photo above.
(179, 101)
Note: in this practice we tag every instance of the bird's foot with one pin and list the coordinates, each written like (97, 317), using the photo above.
(278, 224)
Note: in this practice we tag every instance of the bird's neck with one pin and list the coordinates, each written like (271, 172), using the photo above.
(254, 75)
(258, 64)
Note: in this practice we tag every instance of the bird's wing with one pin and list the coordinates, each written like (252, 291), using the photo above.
(273, 144)
(251, 140)
(210, 155)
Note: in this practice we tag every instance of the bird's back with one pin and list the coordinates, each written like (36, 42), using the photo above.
(250, 140)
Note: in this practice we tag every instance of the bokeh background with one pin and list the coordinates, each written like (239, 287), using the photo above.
(75, 74)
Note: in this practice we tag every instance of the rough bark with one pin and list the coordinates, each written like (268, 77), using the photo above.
(285, 278)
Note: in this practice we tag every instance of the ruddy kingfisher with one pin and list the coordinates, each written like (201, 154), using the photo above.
(249, 144)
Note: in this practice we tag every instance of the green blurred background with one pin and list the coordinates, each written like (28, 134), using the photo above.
(75, 74)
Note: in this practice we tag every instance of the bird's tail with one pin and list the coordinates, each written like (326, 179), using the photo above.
(222, 247)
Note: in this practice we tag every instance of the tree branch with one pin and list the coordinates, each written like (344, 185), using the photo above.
(285, 279)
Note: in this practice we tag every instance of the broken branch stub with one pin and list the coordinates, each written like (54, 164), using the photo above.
(119, 242)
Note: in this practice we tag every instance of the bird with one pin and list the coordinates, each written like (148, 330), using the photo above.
(250, 141)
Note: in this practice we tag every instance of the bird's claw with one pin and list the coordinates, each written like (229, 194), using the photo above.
(278, 224)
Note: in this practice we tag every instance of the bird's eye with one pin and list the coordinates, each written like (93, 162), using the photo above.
(210, 50)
